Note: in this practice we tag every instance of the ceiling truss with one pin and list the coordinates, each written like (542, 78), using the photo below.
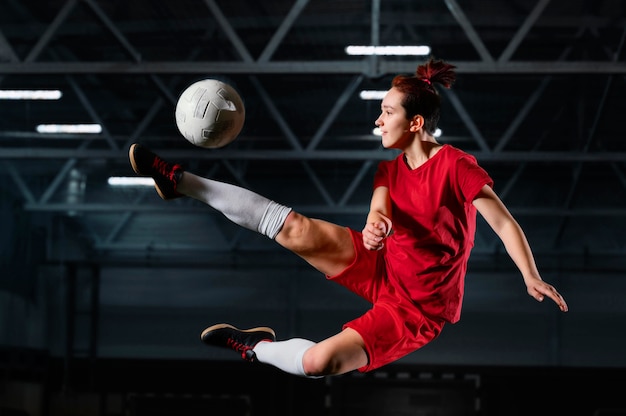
(546, 127)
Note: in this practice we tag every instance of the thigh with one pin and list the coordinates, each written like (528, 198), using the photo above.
(326, 246)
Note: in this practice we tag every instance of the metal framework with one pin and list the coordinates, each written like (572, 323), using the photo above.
(538, 102)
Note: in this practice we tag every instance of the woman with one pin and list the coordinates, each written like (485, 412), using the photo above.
(409, 260)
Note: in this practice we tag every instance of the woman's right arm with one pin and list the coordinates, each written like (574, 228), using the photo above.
(378, 224)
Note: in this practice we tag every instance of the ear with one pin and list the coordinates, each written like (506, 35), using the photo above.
(416, 123)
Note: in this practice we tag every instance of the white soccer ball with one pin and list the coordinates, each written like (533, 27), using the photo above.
(210, 113)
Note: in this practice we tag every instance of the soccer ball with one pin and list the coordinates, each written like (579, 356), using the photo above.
(210, 113)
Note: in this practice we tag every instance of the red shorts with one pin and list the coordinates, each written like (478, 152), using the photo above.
(394, 326)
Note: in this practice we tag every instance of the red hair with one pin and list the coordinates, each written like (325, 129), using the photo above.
(420, 95)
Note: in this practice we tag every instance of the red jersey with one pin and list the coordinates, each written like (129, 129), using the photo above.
(434, 223)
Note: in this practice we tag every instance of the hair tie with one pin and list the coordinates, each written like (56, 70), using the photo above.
(426, 80)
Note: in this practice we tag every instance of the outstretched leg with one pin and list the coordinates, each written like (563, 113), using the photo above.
(326, 246)
(241, 206)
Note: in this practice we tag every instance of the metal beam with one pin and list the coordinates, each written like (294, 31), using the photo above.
(245, 154)
(359, 210)
(308, 67)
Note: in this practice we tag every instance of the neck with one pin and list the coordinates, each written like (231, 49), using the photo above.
(421, 151)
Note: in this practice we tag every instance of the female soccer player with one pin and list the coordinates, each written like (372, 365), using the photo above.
(409, 260)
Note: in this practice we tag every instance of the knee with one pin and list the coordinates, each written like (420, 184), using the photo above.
(294, 229)
(294, 225)
(316, 362)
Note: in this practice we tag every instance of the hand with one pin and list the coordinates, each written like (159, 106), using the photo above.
(539, 289)
(374, 234)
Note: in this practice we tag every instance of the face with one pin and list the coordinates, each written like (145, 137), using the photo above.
(392, 122)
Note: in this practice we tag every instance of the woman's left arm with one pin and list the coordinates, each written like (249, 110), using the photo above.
(516, 244)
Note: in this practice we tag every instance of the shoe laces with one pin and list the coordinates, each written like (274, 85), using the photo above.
(247, 351)
(238, 346)
(163, 168)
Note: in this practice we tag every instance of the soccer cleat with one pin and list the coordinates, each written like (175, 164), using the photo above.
(166, 175)
(242, 341)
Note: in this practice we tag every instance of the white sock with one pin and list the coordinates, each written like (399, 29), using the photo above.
(285, 355)
(241, 206)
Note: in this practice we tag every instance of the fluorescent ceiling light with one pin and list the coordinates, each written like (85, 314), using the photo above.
(30, 94)
(387, 50)
(372, 95)
(69, 128)
(130, 181)
(376, 132)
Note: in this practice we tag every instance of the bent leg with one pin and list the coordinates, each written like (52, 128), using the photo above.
(336, 355)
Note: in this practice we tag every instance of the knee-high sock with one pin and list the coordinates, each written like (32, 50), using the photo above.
(241, 206)
(285, 355)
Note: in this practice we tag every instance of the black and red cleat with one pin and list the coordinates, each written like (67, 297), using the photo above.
(240, 340)
(166, 175)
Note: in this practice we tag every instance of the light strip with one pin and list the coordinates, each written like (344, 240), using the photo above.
(376, 132)
(372, 95)
(30, 94)
(387, 50)
(130, 181)
(70, 128)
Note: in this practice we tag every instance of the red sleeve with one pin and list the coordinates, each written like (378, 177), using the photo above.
(471, 177)
(381, 178)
